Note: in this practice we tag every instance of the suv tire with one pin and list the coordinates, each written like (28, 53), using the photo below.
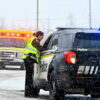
(54, 92)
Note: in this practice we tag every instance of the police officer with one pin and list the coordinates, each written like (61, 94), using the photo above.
(31, 56)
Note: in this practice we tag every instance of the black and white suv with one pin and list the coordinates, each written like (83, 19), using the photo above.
(70, 64)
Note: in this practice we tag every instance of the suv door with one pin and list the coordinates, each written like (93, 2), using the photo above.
(40, 68)
(47, 55)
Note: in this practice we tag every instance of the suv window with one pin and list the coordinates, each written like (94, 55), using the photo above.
(66, 40)
(47, 42)
(87, 40)
(53, 41)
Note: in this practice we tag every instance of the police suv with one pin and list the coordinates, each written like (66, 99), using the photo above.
(69, 65)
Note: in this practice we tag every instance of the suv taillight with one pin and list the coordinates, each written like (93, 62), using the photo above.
(70, 57)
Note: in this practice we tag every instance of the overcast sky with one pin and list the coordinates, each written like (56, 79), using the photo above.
(52, 13)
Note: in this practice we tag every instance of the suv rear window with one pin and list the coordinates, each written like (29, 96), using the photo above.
(66, 40)
(87, 40)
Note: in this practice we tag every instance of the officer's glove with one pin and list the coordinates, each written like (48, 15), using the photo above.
(32, 58)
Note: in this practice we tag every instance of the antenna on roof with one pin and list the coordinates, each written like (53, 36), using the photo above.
(90, 17)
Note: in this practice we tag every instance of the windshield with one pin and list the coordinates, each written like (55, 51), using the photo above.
(87, 40)
(12, 42)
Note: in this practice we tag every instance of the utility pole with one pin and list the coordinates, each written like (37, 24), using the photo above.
(37, 16)
(48, 25)
(90, 18)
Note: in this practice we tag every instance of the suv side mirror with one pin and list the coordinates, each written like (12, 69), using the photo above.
(54, 48)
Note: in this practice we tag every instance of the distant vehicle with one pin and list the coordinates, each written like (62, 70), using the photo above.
(12, 44)
(69, 65)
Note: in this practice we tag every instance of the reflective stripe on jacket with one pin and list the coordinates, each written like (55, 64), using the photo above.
(31, 49)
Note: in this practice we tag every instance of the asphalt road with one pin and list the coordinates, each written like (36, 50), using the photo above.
(12, 88)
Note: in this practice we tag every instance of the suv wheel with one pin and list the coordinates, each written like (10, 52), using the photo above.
(30, 89)
(54, 92)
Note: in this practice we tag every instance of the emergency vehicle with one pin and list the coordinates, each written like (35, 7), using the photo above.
(12, 45)
(70, 64)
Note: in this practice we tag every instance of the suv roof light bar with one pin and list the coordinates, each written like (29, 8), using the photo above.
(64, 28)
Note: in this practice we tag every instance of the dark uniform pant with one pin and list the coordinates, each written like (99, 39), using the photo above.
(29, 77)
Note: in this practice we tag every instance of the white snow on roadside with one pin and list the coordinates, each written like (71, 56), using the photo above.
(12, 84)
(17, 95)
(12, 80)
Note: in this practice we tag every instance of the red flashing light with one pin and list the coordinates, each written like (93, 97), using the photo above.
(2, 34)
(23, 35)
(70, 57)
(82, 77)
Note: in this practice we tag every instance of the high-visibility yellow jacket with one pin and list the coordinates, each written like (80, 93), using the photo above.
(31, 49)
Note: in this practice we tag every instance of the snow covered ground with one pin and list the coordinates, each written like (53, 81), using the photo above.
(12, 87)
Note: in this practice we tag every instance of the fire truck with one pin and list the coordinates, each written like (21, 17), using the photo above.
(12, 45)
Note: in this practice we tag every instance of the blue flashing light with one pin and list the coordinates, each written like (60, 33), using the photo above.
(99, 29)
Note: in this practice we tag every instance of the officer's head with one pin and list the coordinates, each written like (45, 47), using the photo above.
(39, 35)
